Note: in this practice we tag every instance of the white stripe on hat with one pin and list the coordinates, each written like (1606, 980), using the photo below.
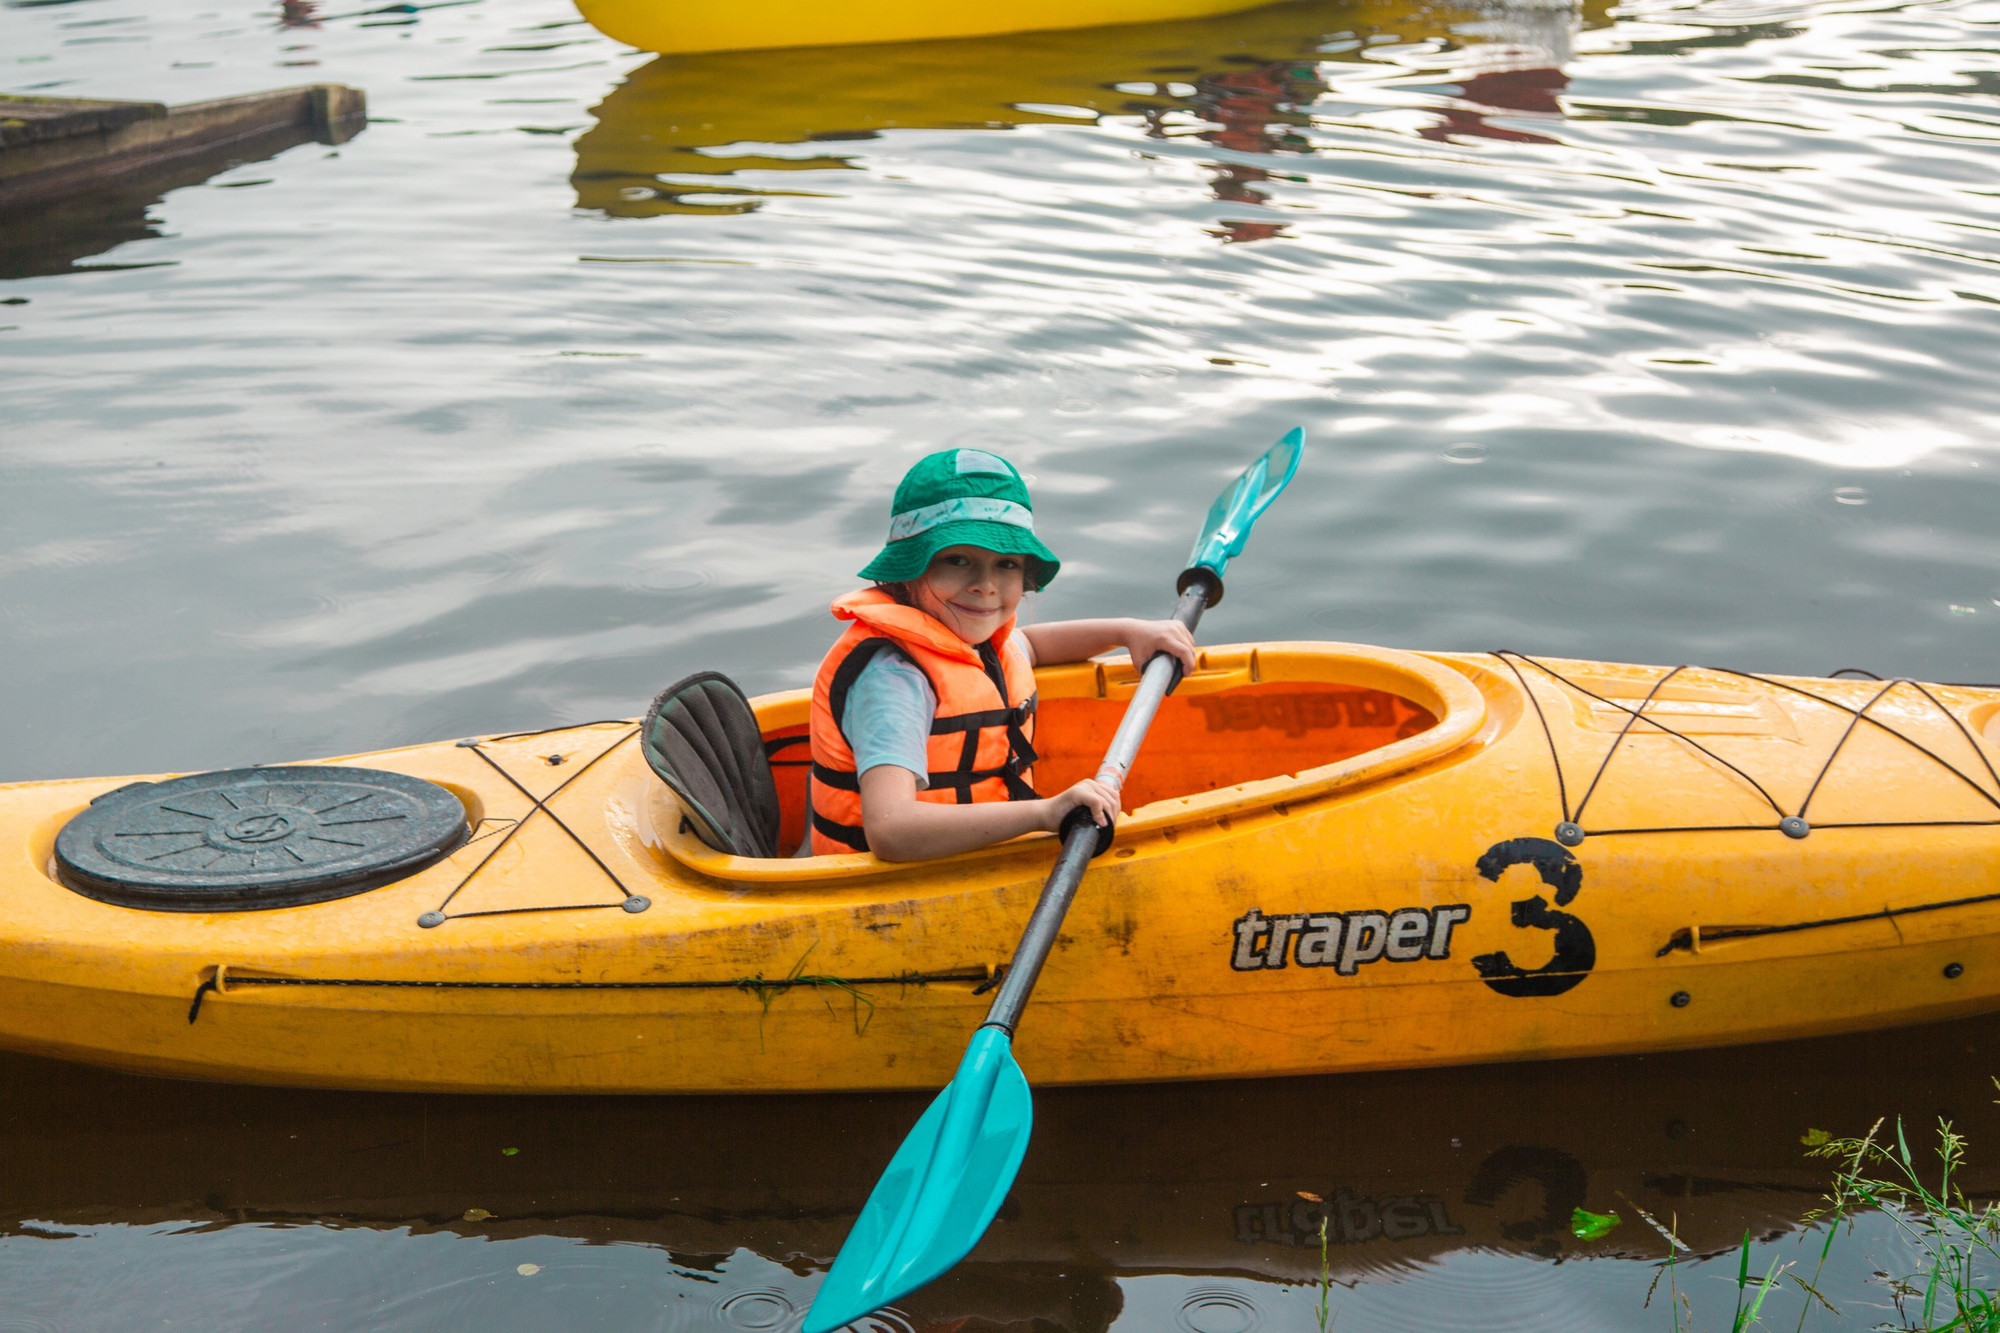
(978, 460)
(913, 521)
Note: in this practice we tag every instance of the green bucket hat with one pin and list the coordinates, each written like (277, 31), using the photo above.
(961, 497)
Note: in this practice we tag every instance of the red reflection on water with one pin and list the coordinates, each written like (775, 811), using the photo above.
(1263, 110)
(1259, 109)
(1231, 232)
(1532, 91)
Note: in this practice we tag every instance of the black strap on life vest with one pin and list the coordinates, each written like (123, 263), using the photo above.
(850, 671)
(1020, 753)
(846, 834)
(833, 777)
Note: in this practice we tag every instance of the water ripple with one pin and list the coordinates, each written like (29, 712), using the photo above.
(367, 452)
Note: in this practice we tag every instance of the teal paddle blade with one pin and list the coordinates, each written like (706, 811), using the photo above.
(941, 1190)
(1229, 518)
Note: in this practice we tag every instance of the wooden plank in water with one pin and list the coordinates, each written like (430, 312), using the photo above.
(51, 147)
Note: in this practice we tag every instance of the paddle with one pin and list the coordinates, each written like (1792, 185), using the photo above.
(948, 1179)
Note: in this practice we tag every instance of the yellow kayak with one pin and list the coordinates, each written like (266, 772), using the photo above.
(1335, 857)
(668, 116)
(671, 136)
(668, 27)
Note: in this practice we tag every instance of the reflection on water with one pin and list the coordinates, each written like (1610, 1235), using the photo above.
(1246, 83)
(592, 369)
(723, 1211)
(56, 235)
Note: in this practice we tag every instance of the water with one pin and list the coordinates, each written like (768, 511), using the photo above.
(1658, 333)
(1662, 334)
(130, 1203)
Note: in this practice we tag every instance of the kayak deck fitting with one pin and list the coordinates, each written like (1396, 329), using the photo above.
(1335, 857)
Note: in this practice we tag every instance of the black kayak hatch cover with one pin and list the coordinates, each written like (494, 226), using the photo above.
(246, 839)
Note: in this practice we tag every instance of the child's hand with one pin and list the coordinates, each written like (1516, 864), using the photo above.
(1100, 800)
(1146, 638)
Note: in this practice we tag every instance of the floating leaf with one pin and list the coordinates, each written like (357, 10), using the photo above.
(1815, 1138)
(509, 1152)
(527, 1270)
(477, 1215)
(1586, 1225)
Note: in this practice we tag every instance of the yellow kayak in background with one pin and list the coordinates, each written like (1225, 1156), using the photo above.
(1244, 82)
(667, 26)
(679, 116)
(1335, 857)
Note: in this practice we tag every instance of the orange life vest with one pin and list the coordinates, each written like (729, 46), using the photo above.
(981, 740)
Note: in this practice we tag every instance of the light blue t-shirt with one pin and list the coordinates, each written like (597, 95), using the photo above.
(888, 716)
(889, 710)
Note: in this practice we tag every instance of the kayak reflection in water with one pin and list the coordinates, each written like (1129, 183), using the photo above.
(923, 714)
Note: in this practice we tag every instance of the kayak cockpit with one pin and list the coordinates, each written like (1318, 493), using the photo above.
(1253, 726)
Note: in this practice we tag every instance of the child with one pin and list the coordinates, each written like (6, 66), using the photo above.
(923, 714)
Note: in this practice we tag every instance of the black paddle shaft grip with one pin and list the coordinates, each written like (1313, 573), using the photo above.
(1082, 838)
(1082, 817)
(1200, 588)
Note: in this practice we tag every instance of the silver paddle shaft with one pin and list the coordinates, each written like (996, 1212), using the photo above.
(1080, 839)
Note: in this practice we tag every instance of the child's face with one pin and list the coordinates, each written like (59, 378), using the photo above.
(972, 590)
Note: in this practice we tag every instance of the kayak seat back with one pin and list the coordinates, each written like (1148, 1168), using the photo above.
(701, 738)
